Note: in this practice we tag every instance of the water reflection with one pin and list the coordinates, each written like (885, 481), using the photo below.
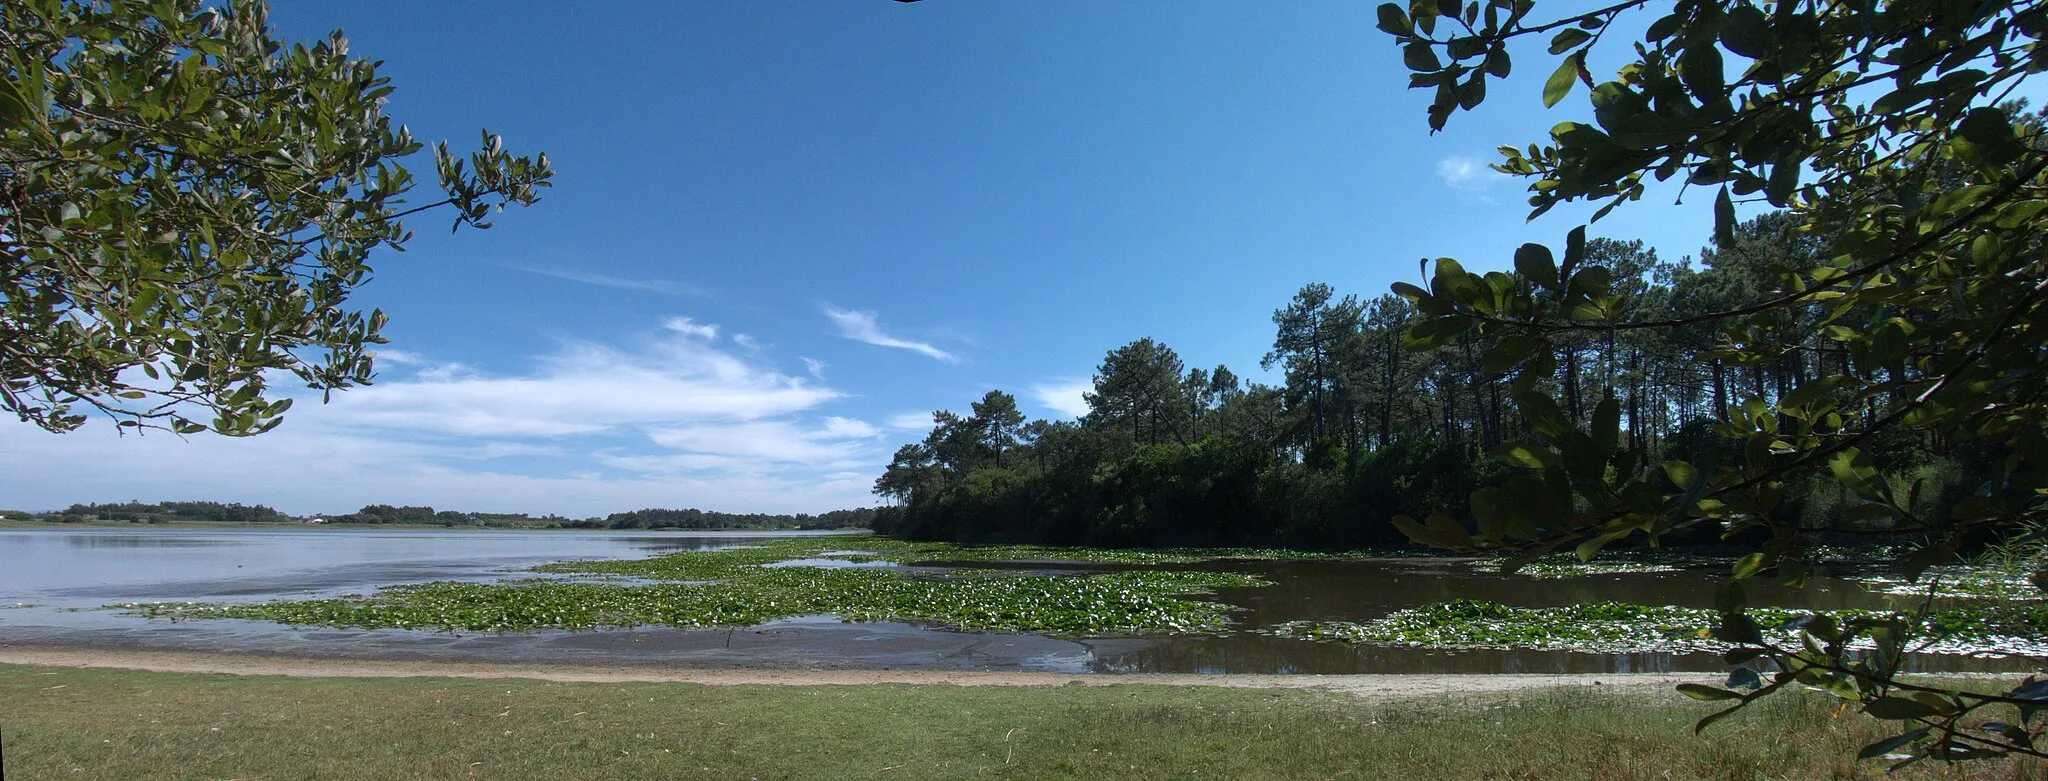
(143, 541)
(89, 567)
(1361, 591)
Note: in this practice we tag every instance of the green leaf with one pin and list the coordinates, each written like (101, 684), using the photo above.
(1746, 32)
(1664, 27)
(2018, 213)
(14, 112)
(1900, 99)
(1420, 57)
(1568, 38)
(1855, 471)
(1700, 69)
(1574, 252)
(1813, 390)
(1682, 474)
(1543, 414)
(1535, 263)
(1439, 531)
(1394, 21)
(1590, 548)
(1738, 628)
(1497, 63)
(1748, 566)
(1724, 219)
(1560, 81)
(1891, 744)
(1606, 427)
(1436, 332)
(1524, 456)
(1449, 530)
(1990, 135)
(1897, 709)
(1509, 351)
(1700, 691)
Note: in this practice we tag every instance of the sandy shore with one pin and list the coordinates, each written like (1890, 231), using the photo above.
(250, 664)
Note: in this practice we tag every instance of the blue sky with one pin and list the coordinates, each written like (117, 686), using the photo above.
(783, 233)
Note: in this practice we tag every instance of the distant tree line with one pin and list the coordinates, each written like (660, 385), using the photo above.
(1372, 420)
(162, 512)
(384, 513)
(859, 518)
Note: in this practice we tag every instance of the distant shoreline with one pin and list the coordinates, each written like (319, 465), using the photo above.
(10, 523)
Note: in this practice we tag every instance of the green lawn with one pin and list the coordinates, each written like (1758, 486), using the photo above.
(122, 724)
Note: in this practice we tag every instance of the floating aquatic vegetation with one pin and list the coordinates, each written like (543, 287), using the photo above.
(1617, 627)
(710, 565)
(731, 587)
(1961, 581)
(1568, 566)
(909, 552)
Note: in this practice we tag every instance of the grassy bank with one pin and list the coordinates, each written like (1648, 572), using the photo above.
(123, 724)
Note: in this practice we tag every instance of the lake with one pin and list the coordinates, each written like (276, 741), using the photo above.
(52, 582)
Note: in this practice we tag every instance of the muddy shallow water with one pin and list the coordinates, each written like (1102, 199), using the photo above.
(52, 580)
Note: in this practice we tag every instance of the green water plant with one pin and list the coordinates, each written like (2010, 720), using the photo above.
(1619, 627)
(732, 587)
(1565, 566)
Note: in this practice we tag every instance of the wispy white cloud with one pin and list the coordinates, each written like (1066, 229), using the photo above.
(674, 417)
(691, 328)
(911, 421)
(746, 340)
(589, 388)
(861, 326)
(1473, 179)
(422, 367)
(400, 357)
(355, 469)
(445, 372)
(1063, 396)
(663, 286)
(837, 443)
(670, 419)
(816, 367)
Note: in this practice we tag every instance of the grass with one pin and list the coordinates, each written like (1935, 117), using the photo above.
(125, 724)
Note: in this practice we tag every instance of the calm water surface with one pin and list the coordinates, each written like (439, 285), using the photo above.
(52, 581)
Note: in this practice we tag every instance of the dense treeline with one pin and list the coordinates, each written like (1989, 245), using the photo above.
(693, 518)
(384, 513)
(1372, 419)
(164, 512)
(159, 512)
